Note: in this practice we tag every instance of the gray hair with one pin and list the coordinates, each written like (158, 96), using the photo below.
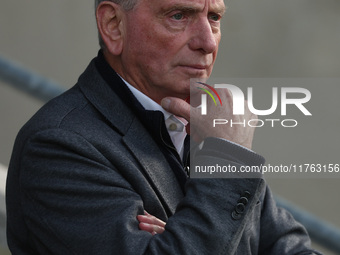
(127, 6)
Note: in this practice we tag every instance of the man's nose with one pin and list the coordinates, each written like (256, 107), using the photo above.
(203, 37)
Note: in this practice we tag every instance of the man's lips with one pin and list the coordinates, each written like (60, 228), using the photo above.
(196, 70)
(197, 67)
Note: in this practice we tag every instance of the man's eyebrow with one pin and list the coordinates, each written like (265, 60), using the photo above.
(192, 9)
(179, 7)
(219, 9)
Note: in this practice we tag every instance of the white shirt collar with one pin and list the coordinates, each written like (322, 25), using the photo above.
(146, 101)
(175, 125)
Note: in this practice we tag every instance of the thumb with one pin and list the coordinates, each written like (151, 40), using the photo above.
(177, 107)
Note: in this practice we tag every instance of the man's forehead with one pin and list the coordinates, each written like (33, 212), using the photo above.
(199, 5)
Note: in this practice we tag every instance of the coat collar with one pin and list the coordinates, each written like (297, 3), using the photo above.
(135, 136)
(102, 96)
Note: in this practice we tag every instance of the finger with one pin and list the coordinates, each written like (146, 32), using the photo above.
(177, 107)
(150, 219)
(151, 228)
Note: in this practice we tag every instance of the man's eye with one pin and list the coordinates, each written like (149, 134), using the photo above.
(214, 17)
(177, 16)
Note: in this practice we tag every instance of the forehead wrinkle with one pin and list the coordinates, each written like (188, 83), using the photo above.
(185, 7)
(189, 7)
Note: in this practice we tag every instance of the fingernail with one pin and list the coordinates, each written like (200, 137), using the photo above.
(165, 103)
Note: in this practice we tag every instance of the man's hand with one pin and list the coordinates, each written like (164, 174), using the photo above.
(201, 126)
(150, 223)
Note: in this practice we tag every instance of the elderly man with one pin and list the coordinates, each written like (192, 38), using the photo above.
(101, 166)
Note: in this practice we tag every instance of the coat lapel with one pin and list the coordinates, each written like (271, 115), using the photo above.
(155, 165)
(135, 137)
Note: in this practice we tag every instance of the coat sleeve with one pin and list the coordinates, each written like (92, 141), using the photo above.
(280, 232)
(75, 201)
(268, 229)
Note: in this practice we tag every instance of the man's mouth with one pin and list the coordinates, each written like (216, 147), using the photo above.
(196, 67)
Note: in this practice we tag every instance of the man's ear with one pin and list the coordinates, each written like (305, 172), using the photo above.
(109, 22)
